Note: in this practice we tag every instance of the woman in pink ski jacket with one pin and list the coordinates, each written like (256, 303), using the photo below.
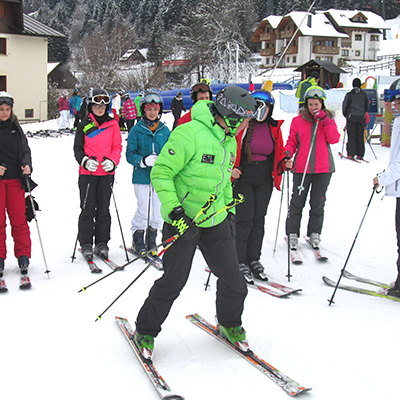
(311, 134)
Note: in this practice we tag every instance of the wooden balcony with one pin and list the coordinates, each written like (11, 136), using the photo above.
(267, 36)
(290, 50)
(346, 44)
(286, 34)
(326, 50)
(267, 52)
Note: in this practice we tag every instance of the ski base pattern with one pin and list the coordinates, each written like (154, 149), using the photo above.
(287, 384)
(272, 288)
(156, 379)
(155, 260)
(377, 293)
(3, 286)
(25, 282)
(93, 267)
(317, 252)
(110, 263)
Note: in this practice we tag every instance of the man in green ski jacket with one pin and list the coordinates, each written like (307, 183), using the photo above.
(195, 164)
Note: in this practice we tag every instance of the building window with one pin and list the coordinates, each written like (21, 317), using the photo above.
(2, 9)
(29, 113)
(294, 59)
(318, 58)
(345, 53)
(3, 83)
(374, 38)
(267, 61)
(329, 59)
(3, 46)
(318, 43)
(358, 53)
(329, 43)
(288, 59)
(358, 37)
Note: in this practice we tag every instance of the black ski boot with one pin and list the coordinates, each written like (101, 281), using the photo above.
(138, 242)
(87, 251)
(247, 275)
(151, 235)
(258, 270)
(101, 249)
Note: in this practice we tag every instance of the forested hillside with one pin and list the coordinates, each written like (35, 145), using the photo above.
(204, 31)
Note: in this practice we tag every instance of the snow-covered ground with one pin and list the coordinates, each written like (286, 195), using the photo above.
(52, 348)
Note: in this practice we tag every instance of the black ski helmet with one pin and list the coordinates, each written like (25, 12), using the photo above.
(393, 92)
(200, 87)
(151, 97)
(234, 104)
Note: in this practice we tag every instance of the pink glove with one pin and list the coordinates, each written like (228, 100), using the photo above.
(320, 115)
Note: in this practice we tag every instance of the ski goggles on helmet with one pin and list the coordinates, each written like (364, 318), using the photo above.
(315, 93)
(240, 111)
(391, 95)
(262, 110)
(152, 98)
(200, 87)
(6, 100)
(101, 99)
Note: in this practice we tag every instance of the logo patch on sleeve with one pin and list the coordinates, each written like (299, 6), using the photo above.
(208, 158)
(170, 151)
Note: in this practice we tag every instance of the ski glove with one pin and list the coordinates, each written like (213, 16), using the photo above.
(108, 165)
(321, 116)
(183, 224)
(149, 160)
(90, 164)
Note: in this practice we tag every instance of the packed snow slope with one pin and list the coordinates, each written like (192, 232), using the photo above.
(53, 348)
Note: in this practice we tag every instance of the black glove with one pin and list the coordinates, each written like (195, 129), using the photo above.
(183, 224)
(232, 223)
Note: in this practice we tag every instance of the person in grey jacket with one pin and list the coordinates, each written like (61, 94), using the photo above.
(354, 107)
(390, 178)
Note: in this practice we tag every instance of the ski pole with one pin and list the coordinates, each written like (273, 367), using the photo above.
(351, 249)
(288, 224)
(37, 224)
(119, 220)
(168, 242)
(279, 216)
(344, 140)
(301, 187)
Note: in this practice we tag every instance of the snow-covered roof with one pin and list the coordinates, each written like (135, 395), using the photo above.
(36, 28)
(273, 20)
(343, 19)
(320, 25)
(129, 52)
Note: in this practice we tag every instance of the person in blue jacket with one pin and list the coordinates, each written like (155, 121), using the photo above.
(145, 141)
(74, 107)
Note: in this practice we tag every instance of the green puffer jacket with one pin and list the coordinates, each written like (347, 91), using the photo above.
(196, 162)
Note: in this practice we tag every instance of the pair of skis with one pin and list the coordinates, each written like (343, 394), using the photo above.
(24, 284)
(155, 260)
(96, 269)
(296, 258)
(287, 384)
(272, 288)
(381, 292)
(357, 160)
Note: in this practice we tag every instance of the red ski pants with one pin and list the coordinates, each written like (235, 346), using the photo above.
(12, 199)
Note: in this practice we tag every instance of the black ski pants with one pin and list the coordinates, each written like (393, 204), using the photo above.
(218, 248)
(355, 136)
(256, 185)
(319, 184)
(95, 219)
